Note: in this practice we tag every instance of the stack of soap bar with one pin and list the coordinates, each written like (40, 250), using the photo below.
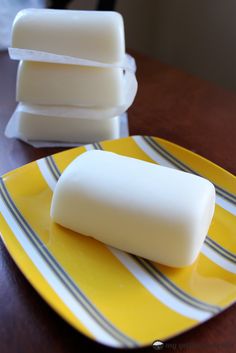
(151, 211)
(89, 35)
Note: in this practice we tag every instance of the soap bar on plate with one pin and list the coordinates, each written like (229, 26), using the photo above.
(151, 211)
(93, 35)
(50, 128)
(61, 84)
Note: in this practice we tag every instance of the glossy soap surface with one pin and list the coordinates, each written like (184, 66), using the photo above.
(51, 128)
(93, 35)
(110, 296)
(72, 85)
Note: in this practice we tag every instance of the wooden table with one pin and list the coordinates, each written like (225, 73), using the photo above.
(170, 104)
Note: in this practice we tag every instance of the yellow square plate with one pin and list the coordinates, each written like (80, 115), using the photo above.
(112, 297)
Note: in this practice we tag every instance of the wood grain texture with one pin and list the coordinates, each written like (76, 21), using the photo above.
(169, 104)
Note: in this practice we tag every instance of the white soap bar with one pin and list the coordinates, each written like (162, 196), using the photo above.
(49, 128)
(155, 212)
(61, 84)
(93, 35)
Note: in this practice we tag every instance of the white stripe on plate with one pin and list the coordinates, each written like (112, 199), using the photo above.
(47, 175)
(158, 158)
(52, 279)
(158, 291)
(218, 259)
(225, 204)
(89, 147)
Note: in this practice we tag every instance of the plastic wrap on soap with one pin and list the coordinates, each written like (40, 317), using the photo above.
(128, 63)
(71, 112)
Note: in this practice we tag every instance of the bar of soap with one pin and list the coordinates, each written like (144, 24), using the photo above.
(148, 210)
(61, 84)
(50, 128)
(93, 35)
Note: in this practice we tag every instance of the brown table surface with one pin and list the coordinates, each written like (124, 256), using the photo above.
(170, 104)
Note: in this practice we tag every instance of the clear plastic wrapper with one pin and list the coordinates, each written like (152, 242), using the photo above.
(72, 112)
(128, 63)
